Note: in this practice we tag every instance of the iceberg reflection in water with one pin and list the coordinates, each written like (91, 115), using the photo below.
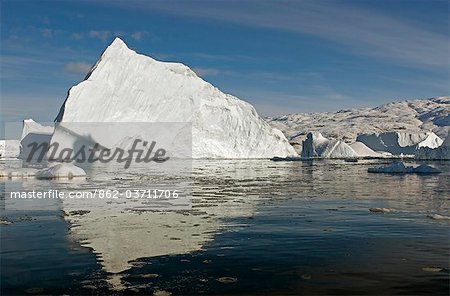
(260, 226)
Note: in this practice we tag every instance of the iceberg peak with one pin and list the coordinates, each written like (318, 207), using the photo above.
(117, 42)
(117, 47)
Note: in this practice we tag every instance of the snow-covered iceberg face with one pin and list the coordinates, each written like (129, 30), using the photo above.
(400, 142)
(34, 134)
(317, 145)
(363, 151)
(440, 153)
(125, 86)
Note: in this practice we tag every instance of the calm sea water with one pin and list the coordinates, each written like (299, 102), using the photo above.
(255, 227)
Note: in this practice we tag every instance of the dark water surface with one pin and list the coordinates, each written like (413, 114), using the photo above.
(255, 227)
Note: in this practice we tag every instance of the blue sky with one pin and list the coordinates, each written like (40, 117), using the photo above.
(282, 56)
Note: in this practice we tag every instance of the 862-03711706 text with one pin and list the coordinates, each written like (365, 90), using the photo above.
(99, 193)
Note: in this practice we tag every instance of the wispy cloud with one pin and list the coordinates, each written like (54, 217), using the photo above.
(276, 103)
(13, 66)
(218, 57)
(41, 107)
(77, 36)
(102, 35)
(77, 67)
(360, 30)
(138, 35)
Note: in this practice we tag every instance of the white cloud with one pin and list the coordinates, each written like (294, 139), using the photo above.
(102, 35)
(138, 35)
(119, 34)
(77, 67)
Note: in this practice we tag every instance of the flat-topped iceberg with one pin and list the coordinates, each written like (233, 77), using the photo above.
(124, 86)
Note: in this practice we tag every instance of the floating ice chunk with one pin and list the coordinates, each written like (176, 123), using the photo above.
(432, 269)
(381, 210)
(394, 168)
(62, 170)
(426, 169)
(438, 217)
(6, 222)
(227, 280)
(400, 168)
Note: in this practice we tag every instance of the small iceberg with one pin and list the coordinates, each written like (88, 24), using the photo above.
(289, 158)
(381, 210)
(400, 168)
(316, 145)
(61, 170)
(438, 217)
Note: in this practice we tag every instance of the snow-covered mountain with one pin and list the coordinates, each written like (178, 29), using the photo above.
(410, 116)
(124, 86)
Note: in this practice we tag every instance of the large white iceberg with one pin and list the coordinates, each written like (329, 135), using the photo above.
(316, 145)
(124, 86)
(441, 152)
(399, 142)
